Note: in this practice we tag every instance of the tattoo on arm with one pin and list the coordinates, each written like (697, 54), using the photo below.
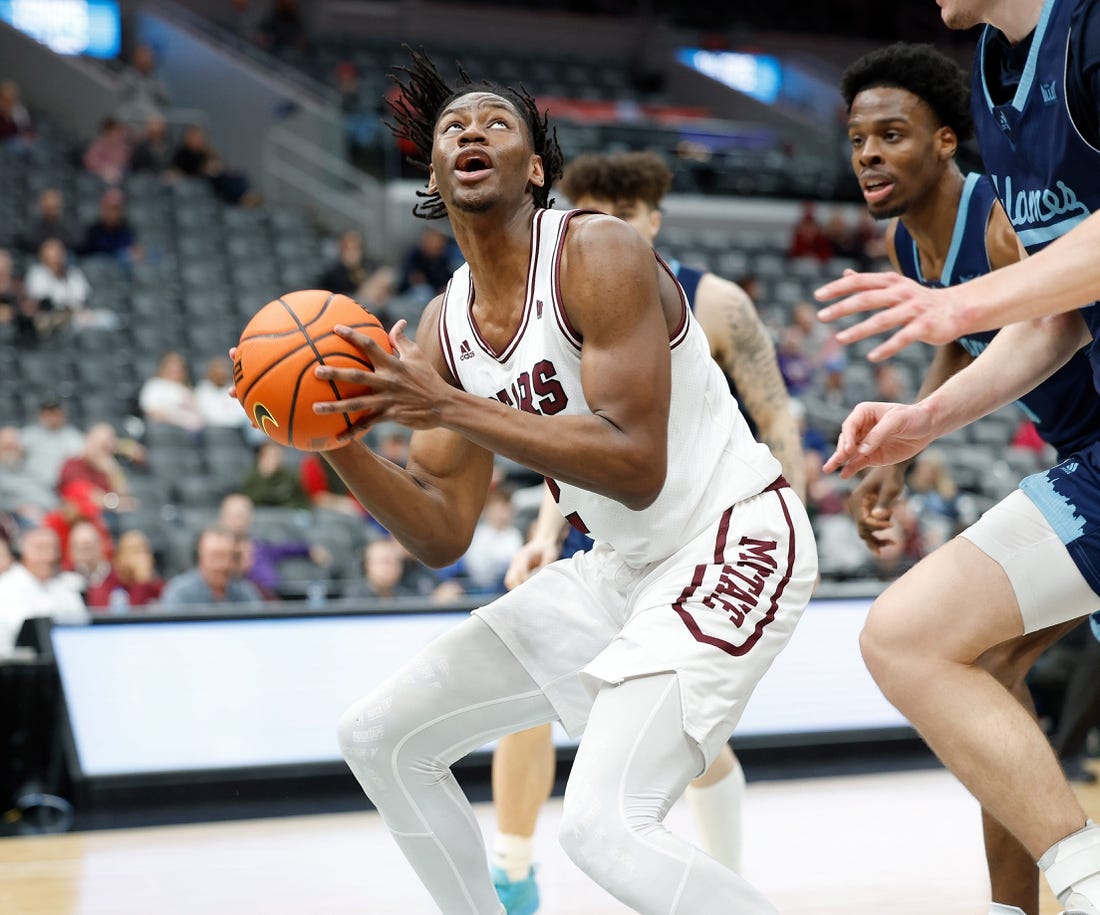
(752, 365)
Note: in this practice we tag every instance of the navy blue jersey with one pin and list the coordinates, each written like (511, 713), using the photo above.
(1064, 411)
(1047, 176)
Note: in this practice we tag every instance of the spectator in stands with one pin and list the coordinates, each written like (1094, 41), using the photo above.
(283, 30)
(795, 363)
(61, 292)
(33, 587)
(86, 558)
(270, 483)
(347, 274)
(940, 509)
(808, 238)
(133, 573)
(195, 158)
(384, 572)
(891, 386)
(214, 579)
(78, 501)
(1027, 438)
(841, 234)
(99, 468)
(16, 125)
(144, 93)
(50, 441)
(427, 266)
(111, 233)
(168, 397)
(108, 155)
(16, 311)
(48, 222)
(363, 120)
(262, 566)
(212, 396)
(828, 356)
(496, 540)
(325, 488)
(153, 152)
(22, 493)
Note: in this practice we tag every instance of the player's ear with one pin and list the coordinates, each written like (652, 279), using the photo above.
(947, 143)
(538, 174)
(655, 217)
(432, 188)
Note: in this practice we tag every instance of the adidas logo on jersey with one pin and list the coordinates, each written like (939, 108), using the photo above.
(538, 308)
(464, 351)
(1050, 92)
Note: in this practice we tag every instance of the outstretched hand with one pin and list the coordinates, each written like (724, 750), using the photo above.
(875, 434)
(404, 387)
(922, 314)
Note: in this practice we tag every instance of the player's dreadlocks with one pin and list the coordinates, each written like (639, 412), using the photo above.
(425, 93)
(922, 70)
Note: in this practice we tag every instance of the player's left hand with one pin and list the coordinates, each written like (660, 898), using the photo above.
(928, 315)
(404, 387)
(880, 433)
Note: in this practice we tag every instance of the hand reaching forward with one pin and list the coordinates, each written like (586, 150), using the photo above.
(871, 505)
(928, 315)
(875, 434)
(405, 387)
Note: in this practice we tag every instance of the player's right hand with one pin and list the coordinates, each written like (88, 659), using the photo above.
(875, 434)
(530, 557)
(871, 502)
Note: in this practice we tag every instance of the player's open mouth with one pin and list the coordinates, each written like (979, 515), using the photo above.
(877, 189)
(472, 165)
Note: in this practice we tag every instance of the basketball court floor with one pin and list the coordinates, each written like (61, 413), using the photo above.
(907, 843)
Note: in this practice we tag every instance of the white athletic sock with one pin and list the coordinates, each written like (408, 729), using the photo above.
(999, 908)
(717, 813)
(1072, 868)
(512, 854)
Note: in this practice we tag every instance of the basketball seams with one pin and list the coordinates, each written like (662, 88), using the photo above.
(288, 355)
(318, 356)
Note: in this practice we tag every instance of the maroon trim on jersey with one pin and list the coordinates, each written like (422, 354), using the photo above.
(719, 554)
(445, 338)
(528, 296)
(568, 330)
(679, 335)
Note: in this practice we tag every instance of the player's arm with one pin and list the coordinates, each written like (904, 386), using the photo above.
(543, 546)
(619, 448)
(1062, 277)
(871, 502)
(1020, 357)
(433, 505)
(744, 349)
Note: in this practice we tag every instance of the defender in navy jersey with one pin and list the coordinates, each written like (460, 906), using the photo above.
(563, 343)
(631, 187)
(1034, 558)
(908, 109)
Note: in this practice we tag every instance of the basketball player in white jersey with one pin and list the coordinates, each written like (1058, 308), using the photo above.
(631, 186)
(564, 344)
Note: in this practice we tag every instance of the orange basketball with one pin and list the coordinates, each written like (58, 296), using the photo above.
(277, 353)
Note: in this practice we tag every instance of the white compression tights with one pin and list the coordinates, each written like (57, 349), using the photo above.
(467, 688)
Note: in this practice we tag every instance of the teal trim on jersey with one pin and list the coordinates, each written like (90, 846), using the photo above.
(1048, 233)
(1056, 508)
(947, 276)
(1028, 75)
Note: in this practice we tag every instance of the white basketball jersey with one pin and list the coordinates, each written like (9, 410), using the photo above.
(713, 460)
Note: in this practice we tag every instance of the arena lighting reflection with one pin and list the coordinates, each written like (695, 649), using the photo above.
(90, 27)
(178, 694)
(758, 75)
